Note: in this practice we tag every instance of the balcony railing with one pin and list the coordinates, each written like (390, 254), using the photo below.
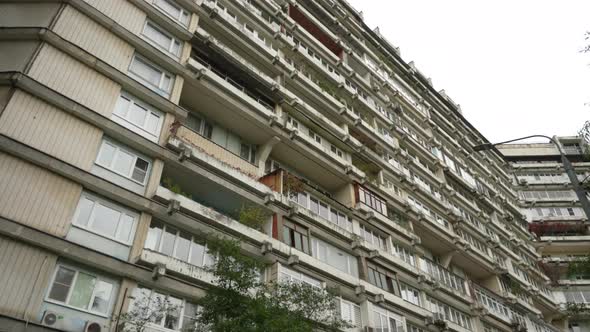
(443, 276)
(233, 82)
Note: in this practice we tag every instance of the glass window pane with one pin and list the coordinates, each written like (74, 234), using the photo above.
(183, 243)
(152, 241)
(333, 216)
(137, 115)
(102, 297)
(173, 316)
(106, 154)
(314, 205)
(123, 162)
(145, 71)
(153, 123)
(190, 314)
(125, 228)
(287, 235)
(82, 291)
(305, 241)
(298, 244)
(168, 241)
(157, 36)
(324, 211)
(140, 170)
(122, 106)
(105, 220)
(61, 284)
(197, 251)
(84, 209)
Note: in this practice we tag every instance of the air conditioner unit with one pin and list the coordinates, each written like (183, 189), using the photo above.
(53, 319)
(93, 327)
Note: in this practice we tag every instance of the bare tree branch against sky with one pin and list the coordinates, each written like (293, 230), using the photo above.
(514, 66)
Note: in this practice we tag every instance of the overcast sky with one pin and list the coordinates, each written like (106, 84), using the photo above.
(514, 66)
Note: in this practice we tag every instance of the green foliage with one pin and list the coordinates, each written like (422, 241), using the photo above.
(293, 184)
(574, 309)
(579, 267)
(253, 216)
(242, 302)
(174, 187)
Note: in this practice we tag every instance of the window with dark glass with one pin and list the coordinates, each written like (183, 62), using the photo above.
(296, 236)
(378, 278)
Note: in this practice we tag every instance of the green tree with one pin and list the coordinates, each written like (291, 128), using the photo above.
(242, 302)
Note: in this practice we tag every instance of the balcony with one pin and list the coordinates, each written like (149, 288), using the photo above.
(559, 229)
(224, 156)
(445, 278)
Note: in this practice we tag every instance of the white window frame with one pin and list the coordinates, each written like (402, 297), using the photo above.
(142, 130)
(98, 200)
(163, 74)
(118, 147)
(167, 49)
(113, 284)
(207, 258)
(410, 294)
(181, 311)
(182, 12)
(298, 277)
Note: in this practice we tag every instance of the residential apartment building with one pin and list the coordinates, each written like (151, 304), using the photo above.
(131, 129)
(556, 217)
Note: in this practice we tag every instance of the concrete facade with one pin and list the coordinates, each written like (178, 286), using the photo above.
(107, 105)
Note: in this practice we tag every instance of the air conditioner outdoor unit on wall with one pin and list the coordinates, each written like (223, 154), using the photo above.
(93, 327)
(53, 319)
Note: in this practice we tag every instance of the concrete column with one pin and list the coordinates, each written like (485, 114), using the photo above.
(141, 231)
(263, 152)
(155, 176)
(123, 300)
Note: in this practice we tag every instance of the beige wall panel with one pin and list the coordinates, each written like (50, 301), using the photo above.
(75, 80)
(51, 130)
(36, 197)
(25, 272)
(123, 12)
(15, 55)
(14, 14)
(94, 38)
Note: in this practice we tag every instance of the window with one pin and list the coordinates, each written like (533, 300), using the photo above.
(199, 125)
(405, 254)
(371, 200)
(373, 238)
(322, 209)
(151, 75)
(105, 218)
(248, 152)
(178, 244)
(81, 290)
(380, 279)
(123, 161)
(288, 275)
(161, 39)
(173, 10)
(350, 312)
(334, 257)
(386, 321)
(296, 236)
(294, 123)
(449, 313)
(410, 294)
(315, 136)
(182, 318)
(138, 116)
(336, 151)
